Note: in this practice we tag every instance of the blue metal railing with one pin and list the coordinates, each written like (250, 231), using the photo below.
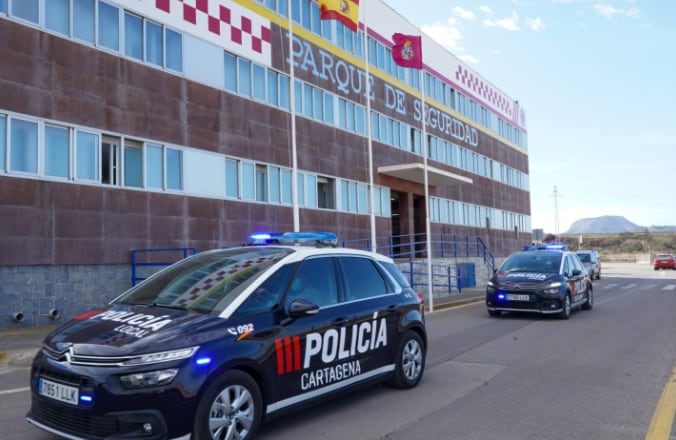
(403, 248)
(151, 254)
(414, 246)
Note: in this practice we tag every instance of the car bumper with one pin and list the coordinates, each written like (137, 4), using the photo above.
(536, 304)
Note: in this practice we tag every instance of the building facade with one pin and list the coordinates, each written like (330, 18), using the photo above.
(128, 124)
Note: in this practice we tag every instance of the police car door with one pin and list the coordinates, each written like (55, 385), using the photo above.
(310, 352)
(373, 304)
(576, 278)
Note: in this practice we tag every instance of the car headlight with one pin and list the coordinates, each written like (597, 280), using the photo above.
(490, 287)
(553, 288)
(163, 356)
(149, 378)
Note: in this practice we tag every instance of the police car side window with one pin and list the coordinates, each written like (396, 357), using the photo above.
(362, 278)
(567, 270)
(315, 281)
(268, 294)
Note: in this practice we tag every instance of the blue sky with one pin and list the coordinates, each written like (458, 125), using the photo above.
(598, 82)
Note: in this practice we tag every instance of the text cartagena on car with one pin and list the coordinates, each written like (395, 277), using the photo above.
(210, 346)
(545, 279)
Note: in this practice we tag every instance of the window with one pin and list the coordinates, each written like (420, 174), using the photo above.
(154, 168)
(364, 280)
(231, 178)
(248, 181)
(326, 193)
(274, 173)
(3, 141)
(26, 9)
(110, 161)
(174, 168)
(83, 20)
(261, 183)
(109, 26)
(57, 151)
(230, 72)
(133, 164)
(133, 36)
(23, 146)
(259, 82)
(174, 50)
(273, 88)
(244, 77)
(3, 6)
(57, 16)
(153, 43)
(86, 156)
(284, 92)
(286, 189)
(311, 194)
(315, 281)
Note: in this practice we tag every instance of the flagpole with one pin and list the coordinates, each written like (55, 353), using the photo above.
(369, 129)
(292, 102)
(428, 233)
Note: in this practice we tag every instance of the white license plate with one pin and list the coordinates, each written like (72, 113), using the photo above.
(513, 297)
(57, 391)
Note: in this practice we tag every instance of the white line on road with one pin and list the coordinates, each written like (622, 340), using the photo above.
(669, 287)
(16, 390)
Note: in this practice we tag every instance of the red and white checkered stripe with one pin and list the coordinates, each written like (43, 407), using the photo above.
(484, 91)
(221, 22)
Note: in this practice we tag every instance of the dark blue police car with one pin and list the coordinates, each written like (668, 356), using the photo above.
(212, 345)
(543, 279)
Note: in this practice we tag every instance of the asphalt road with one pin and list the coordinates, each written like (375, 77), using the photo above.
(602, 374)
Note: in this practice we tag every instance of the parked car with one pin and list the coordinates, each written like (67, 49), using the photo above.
(213, 345)
(664, 261)
(549, 281)
(591, 262)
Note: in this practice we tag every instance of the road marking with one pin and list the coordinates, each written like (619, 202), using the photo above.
(630, 286)
(663, 418)
(611, 286)
(669, 287)
(15, 390)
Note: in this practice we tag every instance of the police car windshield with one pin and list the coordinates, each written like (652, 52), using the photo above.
(207, 282)
(535, 261)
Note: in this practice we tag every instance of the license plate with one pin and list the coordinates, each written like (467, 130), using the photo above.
(514, 297)
(57, 391)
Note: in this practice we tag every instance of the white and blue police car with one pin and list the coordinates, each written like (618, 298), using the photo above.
(211, 346)
(546, 279)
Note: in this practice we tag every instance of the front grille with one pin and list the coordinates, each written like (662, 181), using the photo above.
(72, 420)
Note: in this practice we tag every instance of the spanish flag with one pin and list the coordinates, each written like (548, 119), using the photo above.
(345, 11)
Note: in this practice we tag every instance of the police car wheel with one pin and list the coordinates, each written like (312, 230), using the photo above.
(565, 309)
(231, 408)
(590, 300)
(410, 362)
(494, 313)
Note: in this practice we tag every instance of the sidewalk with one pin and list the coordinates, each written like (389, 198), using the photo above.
(19, 345)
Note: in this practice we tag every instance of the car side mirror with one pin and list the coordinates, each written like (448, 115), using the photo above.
(300, 308)
(576, 272)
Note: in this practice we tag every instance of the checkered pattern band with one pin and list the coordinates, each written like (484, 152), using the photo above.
(483, 90)
(228, 22)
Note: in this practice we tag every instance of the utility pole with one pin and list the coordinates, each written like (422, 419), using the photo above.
(556, 211)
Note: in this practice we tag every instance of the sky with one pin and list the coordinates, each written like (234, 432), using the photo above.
(598, 82)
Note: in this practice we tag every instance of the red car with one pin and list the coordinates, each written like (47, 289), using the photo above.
(664, 261)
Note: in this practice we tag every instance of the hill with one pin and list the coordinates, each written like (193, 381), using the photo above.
(604, 224)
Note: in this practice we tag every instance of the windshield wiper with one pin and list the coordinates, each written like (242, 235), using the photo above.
(169, 306)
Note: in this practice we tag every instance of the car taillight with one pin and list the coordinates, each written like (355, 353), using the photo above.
(421, 301)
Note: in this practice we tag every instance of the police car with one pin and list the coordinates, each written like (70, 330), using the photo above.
(543, 279)
(212, 345)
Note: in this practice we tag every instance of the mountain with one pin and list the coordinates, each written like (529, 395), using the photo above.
(604, 224)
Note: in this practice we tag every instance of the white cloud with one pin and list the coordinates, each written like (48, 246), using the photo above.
(608, 11)
(447, 35)
(509, 23)
(465, 14)
(535, 24)
(486, 10)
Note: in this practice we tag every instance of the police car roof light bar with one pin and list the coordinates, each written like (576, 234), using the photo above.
(318, 239)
